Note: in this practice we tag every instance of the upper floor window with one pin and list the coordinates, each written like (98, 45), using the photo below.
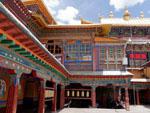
(54, 47)
(111, 52)
(137, 59)
(119, 53)
(78, 51)
(102, 52)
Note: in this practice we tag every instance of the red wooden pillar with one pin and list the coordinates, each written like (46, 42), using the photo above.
(94, 58)
(137, 97)
(12, 96)
(93, 97)
(41, 107)
(62, 97)
(63, 57)
(114, 93)
(54, 101)
(127, 99)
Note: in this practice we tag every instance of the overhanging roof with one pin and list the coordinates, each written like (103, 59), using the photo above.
(42, 8)
(141, 80)
(102, 73)
(19, 35)
(121, 22)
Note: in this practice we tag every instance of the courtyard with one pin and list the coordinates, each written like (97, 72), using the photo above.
(133, 109)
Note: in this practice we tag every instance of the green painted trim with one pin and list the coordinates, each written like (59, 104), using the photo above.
(5, 41)
(2, 37)
(24, 53)
(20, 50)
(2, 106)
(28, 55)
(14, 47)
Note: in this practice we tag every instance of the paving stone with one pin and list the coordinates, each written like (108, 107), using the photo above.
(133, 109)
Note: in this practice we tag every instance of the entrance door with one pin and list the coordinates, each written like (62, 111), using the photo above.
(105, 97)
(30, 96)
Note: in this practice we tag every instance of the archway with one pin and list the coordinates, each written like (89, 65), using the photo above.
(49, 94)
(144, 97)
(28, 93)
(105, 97)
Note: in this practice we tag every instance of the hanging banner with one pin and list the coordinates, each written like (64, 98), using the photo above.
(138, 56)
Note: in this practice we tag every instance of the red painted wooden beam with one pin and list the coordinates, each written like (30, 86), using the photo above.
(13, 30)
(2, 16)
(18, 34)
(31, 46)
(8, 28)
(27, 42)
(3, 20)
(4, 24)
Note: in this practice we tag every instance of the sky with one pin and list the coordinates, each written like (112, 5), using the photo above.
(70, 11)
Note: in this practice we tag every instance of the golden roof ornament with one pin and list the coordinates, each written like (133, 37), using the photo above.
(111, 15)
(141, 14)
(127, 14)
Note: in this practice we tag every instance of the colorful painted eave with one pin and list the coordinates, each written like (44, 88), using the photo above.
(108, 40)
(21, 40)
(83, 21)
(19, 37)
(42, 8)
(132, 22)
(39, 19)
(105, 28)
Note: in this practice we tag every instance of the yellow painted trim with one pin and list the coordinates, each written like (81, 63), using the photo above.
(108, 40)
(43, 9)
(40, 19)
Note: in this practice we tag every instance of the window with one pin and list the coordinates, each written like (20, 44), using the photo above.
(111, 52)
(137, 59)
(78, 51)
(102, 52)
(119, 53)
(54, 47)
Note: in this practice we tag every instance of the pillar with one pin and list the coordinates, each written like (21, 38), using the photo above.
(54, 101)
(137, 97)
(126, 99)
(12, 96)
(114, 92)
(93, 97)
(41, 107)
(119, 94)
(62, 97)
(94, 58)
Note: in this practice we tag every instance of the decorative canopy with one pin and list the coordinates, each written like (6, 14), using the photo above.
(39, 11)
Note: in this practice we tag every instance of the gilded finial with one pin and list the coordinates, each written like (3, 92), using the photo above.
(127, 14)
(111, 15)
(141, 14)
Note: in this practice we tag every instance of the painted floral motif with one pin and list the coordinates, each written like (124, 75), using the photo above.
(2, 88)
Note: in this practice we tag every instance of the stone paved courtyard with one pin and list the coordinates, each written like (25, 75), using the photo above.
(133, 109)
